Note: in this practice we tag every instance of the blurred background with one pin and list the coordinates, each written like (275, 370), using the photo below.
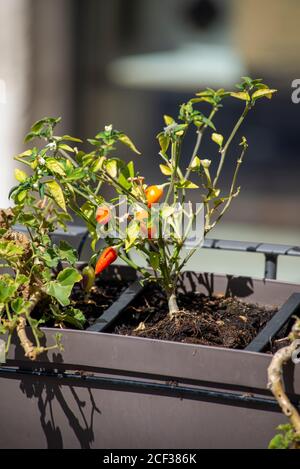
(97, 62)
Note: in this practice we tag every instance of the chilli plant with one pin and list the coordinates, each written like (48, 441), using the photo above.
(158, 221)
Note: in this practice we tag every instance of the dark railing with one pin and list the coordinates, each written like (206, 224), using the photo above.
(270, 251)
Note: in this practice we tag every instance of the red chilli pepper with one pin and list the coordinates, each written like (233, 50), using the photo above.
(153, 194)
(150, 232)
(103, 215)
(108, 256)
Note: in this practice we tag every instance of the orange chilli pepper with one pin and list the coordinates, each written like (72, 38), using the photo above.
(153, 194)
(103, 215)
(108, 256)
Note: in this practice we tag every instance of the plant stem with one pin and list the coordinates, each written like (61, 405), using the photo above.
(232, 189)
(8, 312)
(172, 304)
(175, 159)
(68, 157)
(124, 190)
(230, 138)
(132, 264)
(198, 142)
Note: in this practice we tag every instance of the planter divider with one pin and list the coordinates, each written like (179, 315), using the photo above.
(114, 311)
(288, 309)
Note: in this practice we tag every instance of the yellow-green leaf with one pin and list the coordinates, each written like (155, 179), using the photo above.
(206, 163)
(241, 95)
(128, 142)
(218, 139)
(57, 194)
(133, 232)
(20, 197)
(112, 168)
(264, 92)
(24, 154)
(184, 184)
(98, 164)
(168, 120)
(196, 163)
(165, 169)
(20, 175)
(164, 141)
(55, 166)
(64, 146)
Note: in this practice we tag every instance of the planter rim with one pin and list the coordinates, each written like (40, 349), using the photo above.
(152, 358)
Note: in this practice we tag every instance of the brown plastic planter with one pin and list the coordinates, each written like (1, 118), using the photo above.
(109, 391)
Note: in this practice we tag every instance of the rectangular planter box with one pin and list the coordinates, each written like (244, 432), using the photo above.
(110, 391)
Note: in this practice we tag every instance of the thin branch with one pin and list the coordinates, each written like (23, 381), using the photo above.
(275, 383)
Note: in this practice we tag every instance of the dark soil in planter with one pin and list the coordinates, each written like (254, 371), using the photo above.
(217, 321)
(101, 296)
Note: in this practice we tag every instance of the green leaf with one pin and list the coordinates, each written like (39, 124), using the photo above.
(263, 93)
(130, 167)
(75, 174)
(69, 276)
(20, 175)
(10, 251)
(218, 139)
(55, 166)
(243, 95)
(154, 259)
(21, 196)
(187, 185)
(66, 252)
(30, 136)
(50, 257)
(88, 209)
(128, 142)
(19, 305)
(71, 139)
(57, 194)
(75, 317)
(37, 126)
(21, 279)
(6, 291)
(61, 288)
(70, 315)
(97, 165)
(59, 292)
(24, 154)
(208, 122)
(165, 169)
